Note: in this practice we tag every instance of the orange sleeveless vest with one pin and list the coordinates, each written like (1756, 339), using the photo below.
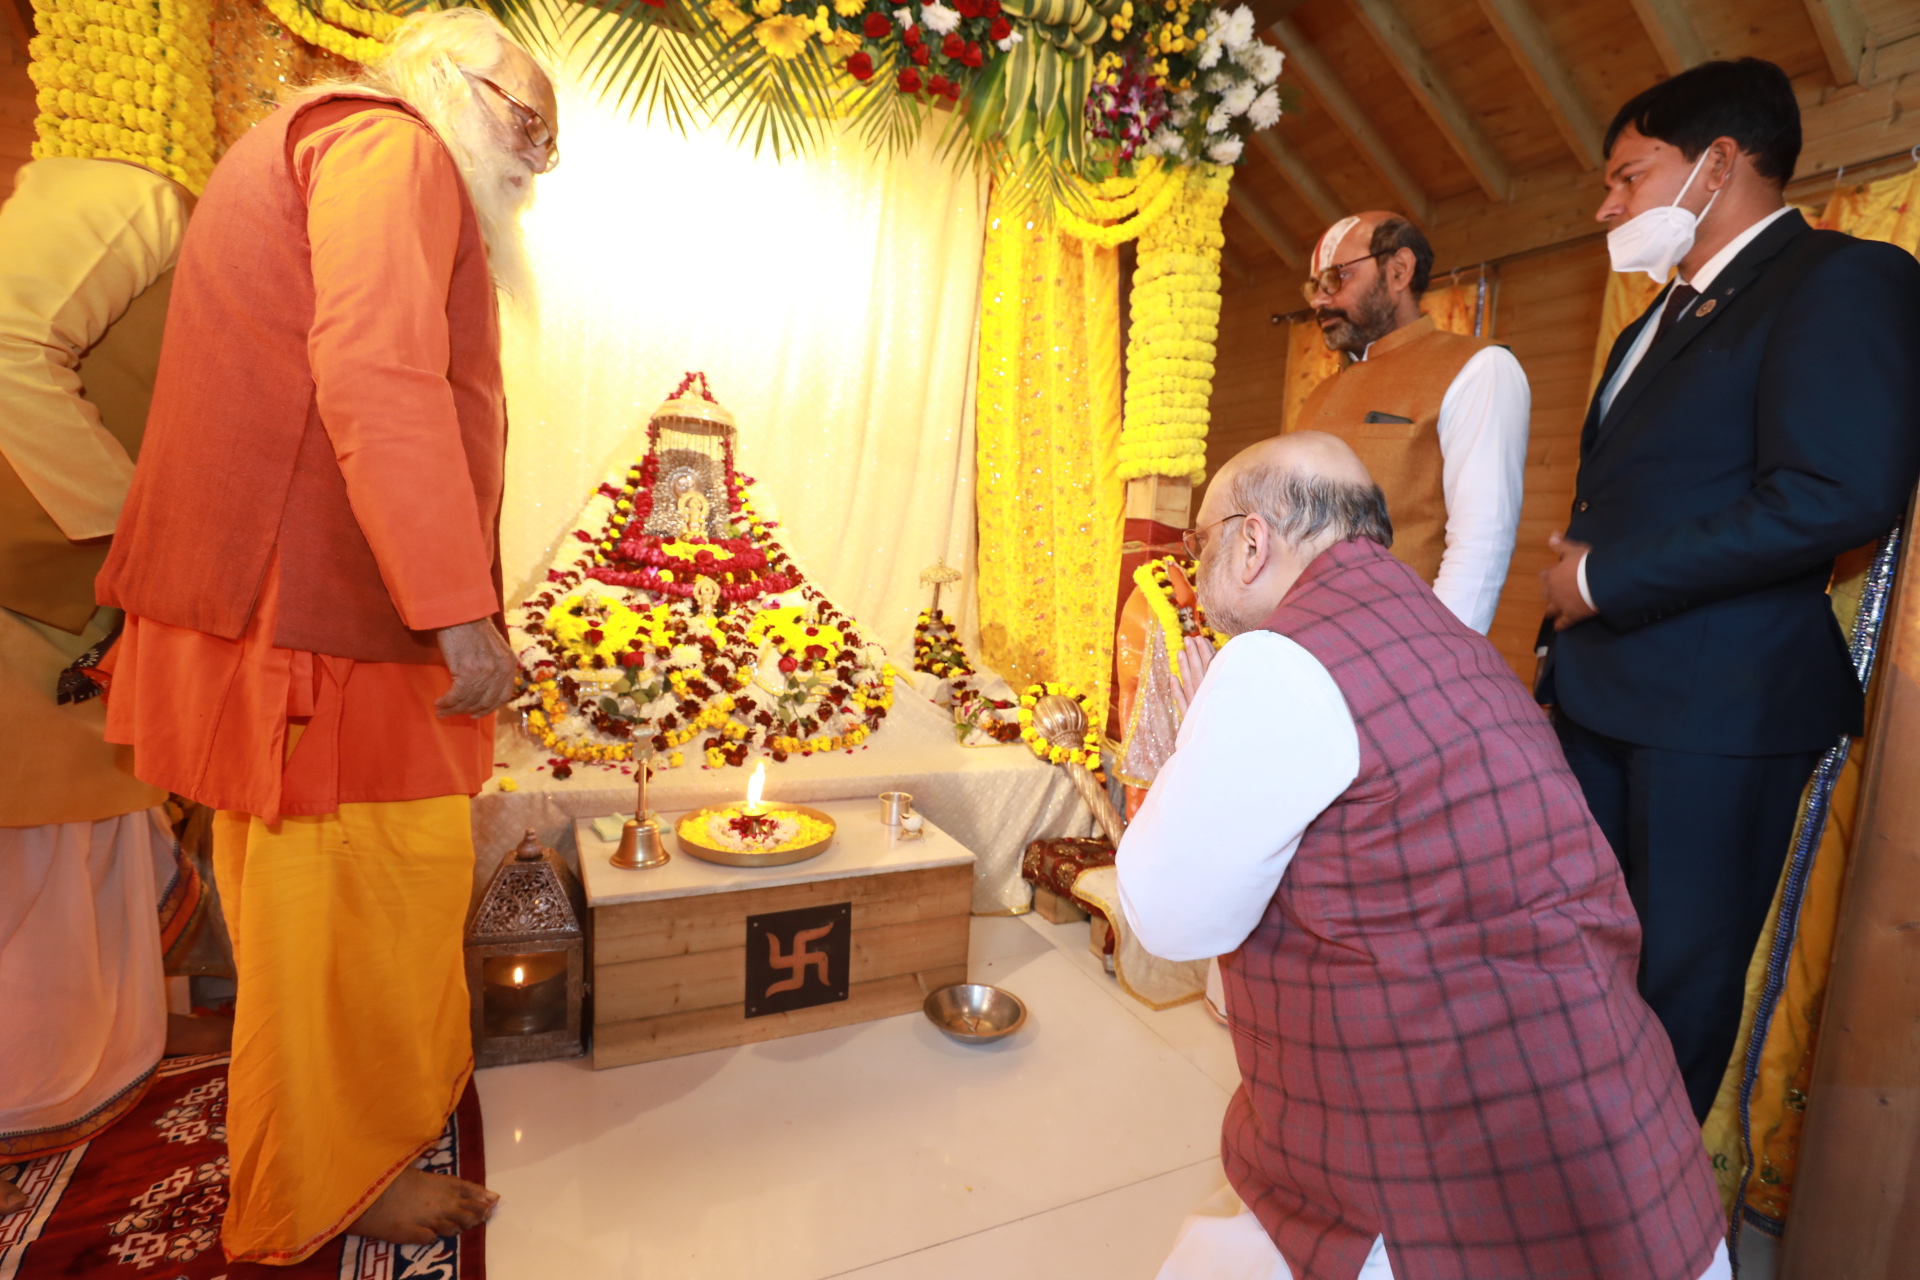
(236, 461)
(1405, 376)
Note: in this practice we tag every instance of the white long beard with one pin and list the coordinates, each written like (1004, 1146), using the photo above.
(502, 189)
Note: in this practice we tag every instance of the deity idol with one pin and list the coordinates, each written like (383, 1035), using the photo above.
(672, 617)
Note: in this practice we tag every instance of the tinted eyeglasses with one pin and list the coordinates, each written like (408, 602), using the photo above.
(1330, 279)
(1195, 540)
(532, 123)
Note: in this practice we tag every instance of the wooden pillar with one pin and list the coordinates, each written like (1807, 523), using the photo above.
(1856, 1196)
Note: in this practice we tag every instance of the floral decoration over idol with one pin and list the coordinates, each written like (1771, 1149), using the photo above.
(672, 619)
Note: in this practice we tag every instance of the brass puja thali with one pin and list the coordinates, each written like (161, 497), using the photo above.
(750, 835)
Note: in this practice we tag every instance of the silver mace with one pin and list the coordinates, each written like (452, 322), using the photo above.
(1062, 721)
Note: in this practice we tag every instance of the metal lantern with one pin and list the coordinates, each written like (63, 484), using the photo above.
(526, 961)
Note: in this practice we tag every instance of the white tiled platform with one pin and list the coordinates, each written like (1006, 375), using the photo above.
(882, 1151)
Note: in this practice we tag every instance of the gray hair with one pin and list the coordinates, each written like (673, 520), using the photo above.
(1299, 507)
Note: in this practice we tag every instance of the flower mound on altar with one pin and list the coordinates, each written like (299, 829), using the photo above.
(671, 619)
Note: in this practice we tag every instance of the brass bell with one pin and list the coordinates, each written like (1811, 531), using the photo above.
(640, 844)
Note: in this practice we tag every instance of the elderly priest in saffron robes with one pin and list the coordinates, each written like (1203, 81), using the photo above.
(1427, 944)
(307, 560)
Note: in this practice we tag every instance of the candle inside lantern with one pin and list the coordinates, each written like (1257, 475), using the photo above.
(526, 994)
(755, 784)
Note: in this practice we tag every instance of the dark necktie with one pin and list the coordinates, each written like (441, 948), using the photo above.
(1678, 300)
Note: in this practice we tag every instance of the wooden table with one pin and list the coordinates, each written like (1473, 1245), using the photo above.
(864, 930)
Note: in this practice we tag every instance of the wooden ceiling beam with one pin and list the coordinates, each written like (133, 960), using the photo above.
(1519, 29)
(1673, 34)
(1293, 166)
(1843, 36)
(1320, 77)
(1396, 39)
(1261, 219)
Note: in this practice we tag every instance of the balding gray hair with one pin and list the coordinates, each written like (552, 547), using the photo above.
(1299, 506)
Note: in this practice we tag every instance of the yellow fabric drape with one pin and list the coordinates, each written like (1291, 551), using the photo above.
(1309, 363)
(1049, 495)
(1776, 1109)
(352, 1036)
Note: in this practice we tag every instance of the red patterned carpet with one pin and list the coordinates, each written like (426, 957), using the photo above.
(143, 1200)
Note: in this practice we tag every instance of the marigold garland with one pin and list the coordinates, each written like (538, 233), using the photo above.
(1170, 347)
(1148, 199)
(1087, 753)
(125, 81)
(335, 33)
(1177, 624)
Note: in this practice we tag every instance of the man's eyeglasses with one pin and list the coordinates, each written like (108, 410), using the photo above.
(1195, 540)
(1330, 279)
(533, 124)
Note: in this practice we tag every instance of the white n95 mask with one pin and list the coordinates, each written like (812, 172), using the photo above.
(1656, 240)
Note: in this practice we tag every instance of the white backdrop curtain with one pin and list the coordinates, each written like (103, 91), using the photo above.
(832, 302)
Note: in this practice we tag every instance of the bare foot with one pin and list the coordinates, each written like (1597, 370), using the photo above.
(420, 1207)
(12, 1199)
(189, 1037)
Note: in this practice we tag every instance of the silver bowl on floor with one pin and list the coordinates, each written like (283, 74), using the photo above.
(974, 1012)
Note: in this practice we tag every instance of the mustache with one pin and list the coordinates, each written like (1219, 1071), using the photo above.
(1324, 314)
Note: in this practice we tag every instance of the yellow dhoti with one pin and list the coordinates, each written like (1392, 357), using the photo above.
(351, 1041)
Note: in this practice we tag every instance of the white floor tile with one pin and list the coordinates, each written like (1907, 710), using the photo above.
(1189, 1028)
(815, 1155)
(1121, 1235)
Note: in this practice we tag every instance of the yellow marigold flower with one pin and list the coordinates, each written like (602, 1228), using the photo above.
(508, 784)
(728, 15)
(849, 8)
(675, 760)
(783, 36)
(840, 44)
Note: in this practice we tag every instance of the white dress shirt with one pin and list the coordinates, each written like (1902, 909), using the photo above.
(1483, 450)
(1702, 280)
(1266, 746)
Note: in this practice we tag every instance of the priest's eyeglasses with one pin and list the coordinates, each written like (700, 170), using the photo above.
(1330, 279)
(532, 123)
(1195, 540)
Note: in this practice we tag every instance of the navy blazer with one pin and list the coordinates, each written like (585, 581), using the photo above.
(1776, 425)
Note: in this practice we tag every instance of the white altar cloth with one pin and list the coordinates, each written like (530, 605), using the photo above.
(993, 800)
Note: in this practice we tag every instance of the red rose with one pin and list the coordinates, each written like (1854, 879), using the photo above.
(970, 8)
(631, 659)
(991, 9)
(788, 665)
(937, 85)
(912, 36)
(952, 92)
(971, 55)
(1000, 29)
(920, 54)
(952, 45)
(878, 26)
(860, 67)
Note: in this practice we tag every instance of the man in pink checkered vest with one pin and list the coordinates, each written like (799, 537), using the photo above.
(1427, 944)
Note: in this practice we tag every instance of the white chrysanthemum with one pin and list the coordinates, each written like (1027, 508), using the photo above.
(1225, 150)
(1185, 98)
(938, 17)
(1237, 31)
(1006, 46)
(1237, 99)
(1221, 119)
(1261, 60)
(1209, 53)
(1181, 117)
(1265, 111)
(904, 16)
(1219, 82)
(1166, 143)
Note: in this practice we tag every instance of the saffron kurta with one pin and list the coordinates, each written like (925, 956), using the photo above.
(343, 849)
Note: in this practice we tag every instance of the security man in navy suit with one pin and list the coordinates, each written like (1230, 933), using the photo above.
(1760, 419)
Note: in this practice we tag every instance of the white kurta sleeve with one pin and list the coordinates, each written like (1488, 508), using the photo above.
(1266, 746)
(79, 241)
(1483, 444)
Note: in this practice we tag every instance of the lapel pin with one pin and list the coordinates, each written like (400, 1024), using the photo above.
(1704, 308)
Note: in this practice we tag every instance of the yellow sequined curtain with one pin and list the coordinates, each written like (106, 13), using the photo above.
(1755, 1158)
(1452, 305)
(255, 59)
(1049, 495)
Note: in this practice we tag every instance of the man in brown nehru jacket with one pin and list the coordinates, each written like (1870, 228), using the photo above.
(1439, 419)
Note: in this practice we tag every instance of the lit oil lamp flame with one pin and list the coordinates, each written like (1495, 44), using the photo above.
(519, 976)
(754, 786)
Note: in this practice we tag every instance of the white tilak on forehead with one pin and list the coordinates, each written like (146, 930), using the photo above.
(1329, 245)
